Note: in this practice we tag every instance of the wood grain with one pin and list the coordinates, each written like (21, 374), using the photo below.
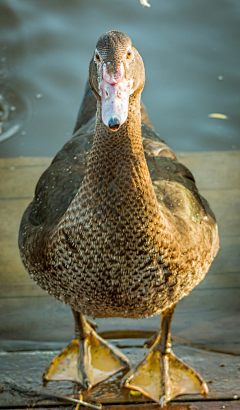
(25, 368)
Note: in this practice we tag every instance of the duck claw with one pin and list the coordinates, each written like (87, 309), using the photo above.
(162, 377)
(87, 362)
(150, 341)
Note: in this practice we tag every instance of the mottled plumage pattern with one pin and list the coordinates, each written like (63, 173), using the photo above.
(117, 226)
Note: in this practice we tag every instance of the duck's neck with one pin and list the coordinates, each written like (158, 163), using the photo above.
(115, 155)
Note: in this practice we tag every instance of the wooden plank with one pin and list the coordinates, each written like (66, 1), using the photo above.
(15, 280)
(13, 276)
(37, 319)
(18, 162)
(228, 260)
(207, 405)
(26, 368)
(213, 169)
(200, 318)
(210, 319)
(226, 205)
(11, 213)
(214, 281)
(228, 257)
(221, 170)
(19, 176)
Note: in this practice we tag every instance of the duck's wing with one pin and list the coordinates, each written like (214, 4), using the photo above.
(176, 190)
(60, 182)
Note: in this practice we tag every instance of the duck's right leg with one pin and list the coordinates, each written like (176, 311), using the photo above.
(87, 360)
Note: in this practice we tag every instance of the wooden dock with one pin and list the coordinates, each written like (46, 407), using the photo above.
(206, 325)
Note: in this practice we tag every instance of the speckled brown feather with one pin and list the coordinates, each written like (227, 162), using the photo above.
(117, 226)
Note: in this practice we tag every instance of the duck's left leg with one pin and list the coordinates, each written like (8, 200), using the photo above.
(88, 359)
(161, 376)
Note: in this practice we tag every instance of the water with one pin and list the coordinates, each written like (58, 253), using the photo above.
(191, 55)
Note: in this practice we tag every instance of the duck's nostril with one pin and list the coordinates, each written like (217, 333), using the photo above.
(114, 123)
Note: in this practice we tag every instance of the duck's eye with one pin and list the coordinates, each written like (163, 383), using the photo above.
(97, 57)
(129, 54)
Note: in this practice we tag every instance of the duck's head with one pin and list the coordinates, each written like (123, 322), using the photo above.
(116, 73)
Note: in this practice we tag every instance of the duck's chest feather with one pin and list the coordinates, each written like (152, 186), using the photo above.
(110, 232)
(114, 253)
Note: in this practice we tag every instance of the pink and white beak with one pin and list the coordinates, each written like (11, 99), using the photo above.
(115, 91)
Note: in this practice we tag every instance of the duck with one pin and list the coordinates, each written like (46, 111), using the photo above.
(118, 228)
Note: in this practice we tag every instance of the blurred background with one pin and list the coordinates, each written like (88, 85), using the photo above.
(191, 52)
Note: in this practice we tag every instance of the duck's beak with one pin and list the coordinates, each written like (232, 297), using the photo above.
(115, 91)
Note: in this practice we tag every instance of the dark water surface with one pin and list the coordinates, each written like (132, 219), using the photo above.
(191, 51)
